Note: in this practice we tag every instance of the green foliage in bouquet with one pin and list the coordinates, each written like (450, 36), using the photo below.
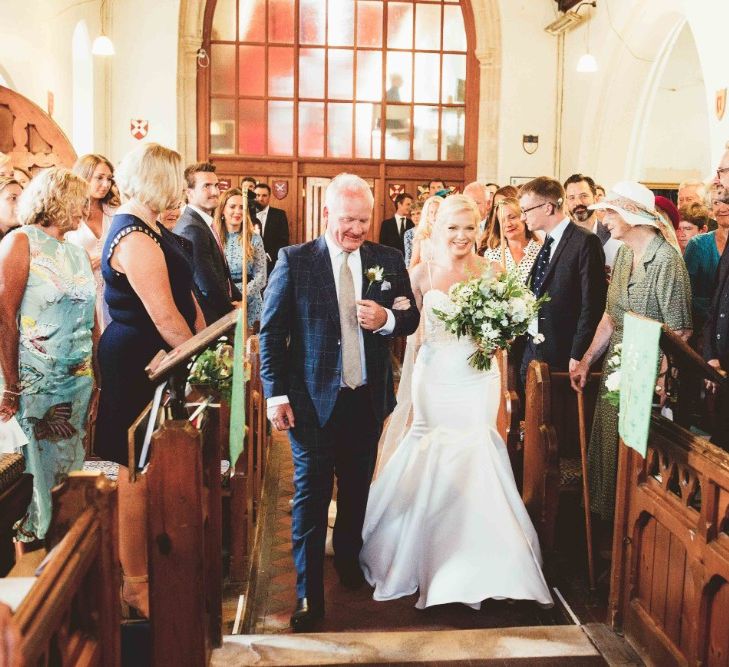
(212, 370)
(493, 310)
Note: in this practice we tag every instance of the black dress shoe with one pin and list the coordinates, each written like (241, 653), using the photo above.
(306, 617)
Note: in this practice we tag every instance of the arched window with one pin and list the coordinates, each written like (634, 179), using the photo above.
(83, 90)
(296, 91)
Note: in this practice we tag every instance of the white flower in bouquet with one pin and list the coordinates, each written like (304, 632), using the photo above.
(612, 377)
(538, 339)
(492, 310)
(612, 381)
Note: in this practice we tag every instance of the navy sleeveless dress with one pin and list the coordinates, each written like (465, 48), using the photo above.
(131, 339)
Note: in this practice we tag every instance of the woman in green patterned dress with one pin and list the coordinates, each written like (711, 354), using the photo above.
(649, 278)
(47, 299)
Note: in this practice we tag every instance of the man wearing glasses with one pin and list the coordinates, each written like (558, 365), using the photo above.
(570, 268)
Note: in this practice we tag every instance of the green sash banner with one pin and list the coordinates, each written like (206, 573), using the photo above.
(238, 394)
(638, 374)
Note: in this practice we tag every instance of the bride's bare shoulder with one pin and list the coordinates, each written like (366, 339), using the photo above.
(419, 276)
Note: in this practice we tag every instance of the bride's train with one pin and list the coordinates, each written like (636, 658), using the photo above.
(444, 516)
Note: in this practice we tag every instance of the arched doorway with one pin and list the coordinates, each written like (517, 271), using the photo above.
(30, 135)
(299, 90)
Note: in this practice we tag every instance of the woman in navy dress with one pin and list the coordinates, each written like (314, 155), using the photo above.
(148, 290)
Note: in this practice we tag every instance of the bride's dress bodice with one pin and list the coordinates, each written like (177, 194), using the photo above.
(435, 330)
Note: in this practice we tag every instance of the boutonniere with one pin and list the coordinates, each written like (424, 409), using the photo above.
(375, 274)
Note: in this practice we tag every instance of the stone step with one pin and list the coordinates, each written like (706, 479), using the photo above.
(556, 646)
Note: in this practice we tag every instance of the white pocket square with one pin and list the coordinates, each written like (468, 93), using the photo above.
(385, 286)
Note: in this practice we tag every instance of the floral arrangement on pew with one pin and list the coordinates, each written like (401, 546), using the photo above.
(212, 370)
(493, 310)
(612, 377)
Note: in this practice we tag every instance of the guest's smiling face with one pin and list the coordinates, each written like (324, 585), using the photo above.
(101, 181)
(348, 220)
(720, 211)
(615, 224)
(233, 213)
(514, 227)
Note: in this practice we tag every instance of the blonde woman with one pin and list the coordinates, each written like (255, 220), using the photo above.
(422, 249)
(518, 248)
(47, 296)
(6, 166)
(98, 172)
(241, 241)
(444, 517)
(148, 292)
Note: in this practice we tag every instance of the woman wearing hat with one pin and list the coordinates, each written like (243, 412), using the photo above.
(650, 279)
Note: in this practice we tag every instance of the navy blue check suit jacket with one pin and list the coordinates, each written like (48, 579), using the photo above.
(300, 331)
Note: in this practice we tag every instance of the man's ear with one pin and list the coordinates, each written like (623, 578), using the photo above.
(325, 214)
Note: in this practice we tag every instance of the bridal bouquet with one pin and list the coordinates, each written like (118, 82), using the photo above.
(493, 310)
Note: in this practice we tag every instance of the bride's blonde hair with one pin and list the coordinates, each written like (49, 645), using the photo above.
(454, 205)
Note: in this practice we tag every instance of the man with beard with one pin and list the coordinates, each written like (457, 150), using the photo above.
(581, 192)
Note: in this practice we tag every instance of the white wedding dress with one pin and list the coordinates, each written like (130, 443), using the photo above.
(444, 516)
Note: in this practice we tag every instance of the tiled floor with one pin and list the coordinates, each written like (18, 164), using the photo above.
(355, 610)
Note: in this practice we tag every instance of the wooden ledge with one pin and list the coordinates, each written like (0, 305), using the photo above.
(557, 646)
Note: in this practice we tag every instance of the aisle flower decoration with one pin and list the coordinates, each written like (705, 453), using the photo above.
(493, 310)
(212, 370)
(612, 377)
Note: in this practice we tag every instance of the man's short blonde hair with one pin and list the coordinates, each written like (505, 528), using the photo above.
(151, 174)
(52, 198)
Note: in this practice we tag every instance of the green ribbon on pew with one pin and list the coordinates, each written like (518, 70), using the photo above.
(638, 373)
(238, 395)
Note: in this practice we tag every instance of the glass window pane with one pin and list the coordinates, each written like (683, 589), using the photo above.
(251, 20)
(312, 21)
(369, 75)
(341, 23)
(280, 128)
(400, 25)
(425, 142)
(251, 73)
(280, 71)
(339, 77)
(222, 69)
(222, 126)
(399, 76)
(281, 21)
(454, 79)
(311, 129)
(224, 21)
(427, 70)
(453, 124)
(397, 132)
(367, 128)
(454, 33)
(369, 23)
(311, 73)
(251, 124)
(427, 27)
(339, 130)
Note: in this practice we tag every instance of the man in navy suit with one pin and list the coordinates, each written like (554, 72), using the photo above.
(213, 287)
(328, 315)
(570, 268)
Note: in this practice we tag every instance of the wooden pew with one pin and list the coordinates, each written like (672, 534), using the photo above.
(507, 420)
(16, 489)
(669, 588)
(551, 444)
(71, 614)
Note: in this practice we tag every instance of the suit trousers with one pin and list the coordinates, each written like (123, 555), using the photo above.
(346, 447)
(531, 351)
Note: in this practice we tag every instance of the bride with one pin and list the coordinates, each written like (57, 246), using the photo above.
(444, 516)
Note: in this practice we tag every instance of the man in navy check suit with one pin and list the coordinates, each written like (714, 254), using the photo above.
(329, 312)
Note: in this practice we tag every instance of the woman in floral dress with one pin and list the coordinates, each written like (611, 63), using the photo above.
(47, 300)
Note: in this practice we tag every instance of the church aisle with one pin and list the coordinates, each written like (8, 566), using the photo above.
(352, 611)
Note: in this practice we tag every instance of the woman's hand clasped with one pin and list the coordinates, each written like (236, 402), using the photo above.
(8, 405)
(578, 375)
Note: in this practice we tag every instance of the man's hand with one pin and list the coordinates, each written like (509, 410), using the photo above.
(371, 315)
(573, 364)
(711, 386)
(281, 416)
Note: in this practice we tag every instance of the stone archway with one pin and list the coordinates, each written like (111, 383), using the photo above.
(488, 52)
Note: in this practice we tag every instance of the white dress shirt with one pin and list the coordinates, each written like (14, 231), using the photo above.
(205, 216)
(262, 217)
(336, 255)
(556, 236)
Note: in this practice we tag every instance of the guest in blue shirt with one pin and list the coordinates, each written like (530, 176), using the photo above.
(241, 241)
